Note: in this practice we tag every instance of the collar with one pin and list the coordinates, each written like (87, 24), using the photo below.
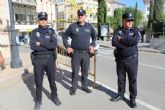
(85, 24)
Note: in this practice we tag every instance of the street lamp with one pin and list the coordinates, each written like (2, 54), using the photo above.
(15, 60)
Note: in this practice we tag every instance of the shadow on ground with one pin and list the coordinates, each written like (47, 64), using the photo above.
(64, 78)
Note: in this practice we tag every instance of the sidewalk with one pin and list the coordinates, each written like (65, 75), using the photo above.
(18, 83)
(145, 47)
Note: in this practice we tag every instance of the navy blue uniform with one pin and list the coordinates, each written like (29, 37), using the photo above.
(80, 35)
(44, 58)
(126, 54)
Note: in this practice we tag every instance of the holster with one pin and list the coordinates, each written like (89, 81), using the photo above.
(33, 57)
(116, 54)
(54, 55)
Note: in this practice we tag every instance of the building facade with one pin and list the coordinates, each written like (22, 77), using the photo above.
(4, 29)
(67, 11)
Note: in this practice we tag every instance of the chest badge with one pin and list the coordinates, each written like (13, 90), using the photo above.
(37, 34)
(86, 30)
(131, 34)
(47, 37)
(120, 32)
(77, 30)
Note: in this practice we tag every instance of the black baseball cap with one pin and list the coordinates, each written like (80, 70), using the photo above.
(128, 16)
(42, 15)
(81, 12)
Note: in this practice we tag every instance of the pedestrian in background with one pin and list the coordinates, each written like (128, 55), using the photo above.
(80, 49)
(43, 42)
(125, 39)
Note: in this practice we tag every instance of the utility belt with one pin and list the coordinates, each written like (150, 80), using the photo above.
(130, 57)
(34, 56)
(81, 51)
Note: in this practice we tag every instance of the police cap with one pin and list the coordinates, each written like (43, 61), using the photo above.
(81, 12)
(128, 16)
(42, 15)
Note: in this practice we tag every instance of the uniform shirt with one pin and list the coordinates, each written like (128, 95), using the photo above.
(127, 45)
(47, 38)
(80, 35)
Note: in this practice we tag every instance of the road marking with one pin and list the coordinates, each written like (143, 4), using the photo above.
(105, 53)
(151, 66)
(149, 106)
(142, 64)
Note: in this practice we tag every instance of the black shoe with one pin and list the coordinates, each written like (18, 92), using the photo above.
(86, 90)
(37, 106)
(117, 98)
(72, 92)
(133, 103)
(56, 101)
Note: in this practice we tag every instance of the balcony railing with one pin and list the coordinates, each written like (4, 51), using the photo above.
(26, 2)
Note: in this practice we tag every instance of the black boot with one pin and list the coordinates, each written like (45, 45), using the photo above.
(72, 92)
(56, 101)
(37, 106)
(86, 90)
(133, 103)
(117, 98)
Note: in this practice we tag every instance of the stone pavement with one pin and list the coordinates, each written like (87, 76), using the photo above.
(17, 91)
(145, 47)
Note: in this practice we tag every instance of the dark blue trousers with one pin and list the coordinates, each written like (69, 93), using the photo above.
(42, 65)
(80, 60)
(129, 66)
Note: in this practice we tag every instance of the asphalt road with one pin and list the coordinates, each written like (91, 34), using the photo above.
(151, 76)
(151, 88)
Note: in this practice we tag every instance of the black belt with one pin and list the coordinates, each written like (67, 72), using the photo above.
(43, 56)
(131, 57)
(81, 51)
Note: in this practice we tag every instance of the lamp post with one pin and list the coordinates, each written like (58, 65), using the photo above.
(15, 60)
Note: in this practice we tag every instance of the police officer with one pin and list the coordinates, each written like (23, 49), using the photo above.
(43, 42)
(80, 32)
(125, 39)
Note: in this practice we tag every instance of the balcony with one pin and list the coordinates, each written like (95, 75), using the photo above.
(25, 2)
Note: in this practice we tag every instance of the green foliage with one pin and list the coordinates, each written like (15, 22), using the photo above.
(158, 10)
(118, 17)
(102, 11)
(150, 20)
(136, 15)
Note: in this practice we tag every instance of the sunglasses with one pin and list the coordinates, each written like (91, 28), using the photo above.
(129, 20)
(43, 19)
(81, 15)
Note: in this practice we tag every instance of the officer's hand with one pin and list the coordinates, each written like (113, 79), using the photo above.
(91, 49)
(119, 38)
(38, 43)
(69, 50)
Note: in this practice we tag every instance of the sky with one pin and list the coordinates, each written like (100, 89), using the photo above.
(133, 2)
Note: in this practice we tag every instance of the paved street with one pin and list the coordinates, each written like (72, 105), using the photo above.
(18, 93)
(151, 88)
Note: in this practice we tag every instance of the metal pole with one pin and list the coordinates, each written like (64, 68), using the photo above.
(15, 60)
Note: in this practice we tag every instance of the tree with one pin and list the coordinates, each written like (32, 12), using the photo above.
(118, 17)
(158, 10)
(158, 18)
(136, 15)
(102, 11)
(101, 14)
(150, 20)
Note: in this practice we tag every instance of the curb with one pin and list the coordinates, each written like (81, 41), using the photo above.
(142, 50)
